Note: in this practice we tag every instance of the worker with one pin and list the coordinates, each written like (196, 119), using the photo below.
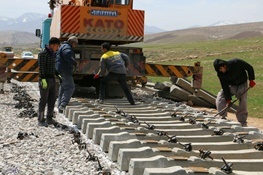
(65, 63)
(116, 64)
(234, 75)
(1, 87)
(47, 84)
(72, 2)
(105, 3)
(95, 3)
(101, 3)
(85, 3)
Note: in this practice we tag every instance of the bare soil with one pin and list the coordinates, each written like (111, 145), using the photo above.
(251, 122)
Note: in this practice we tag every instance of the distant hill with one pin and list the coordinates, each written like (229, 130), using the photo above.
(152, 29)
(17, 38)
(236, 31)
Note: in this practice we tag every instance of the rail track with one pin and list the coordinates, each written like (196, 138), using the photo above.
(161, 137)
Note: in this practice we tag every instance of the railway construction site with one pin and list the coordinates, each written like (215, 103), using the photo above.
(163, 133)
(157, 136)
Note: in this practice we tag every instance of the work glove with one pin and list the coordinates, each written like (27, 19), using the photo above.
(228, 102)
(44, 83)
(96, 76)
(252, 83)
(60, 78)
(75, 68)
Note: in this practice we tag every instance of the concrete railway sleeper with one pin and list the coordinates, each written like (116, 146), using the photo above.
(151, 138)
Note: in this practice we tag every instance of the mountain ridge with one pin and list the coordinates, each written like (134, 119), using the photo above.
(233, 31)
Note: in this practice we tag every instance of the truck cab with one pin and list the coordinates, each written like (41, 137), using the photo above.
(45, 35)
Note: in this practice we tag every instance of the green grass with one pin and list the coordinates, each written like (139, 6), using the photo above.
(250, 50)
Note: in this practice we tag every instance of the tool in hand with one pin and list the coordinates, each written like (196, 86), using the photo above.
(231, 103)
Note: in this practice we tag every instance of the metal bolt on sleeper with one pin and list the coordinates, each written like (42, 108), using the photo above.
(205, 154)
(188, 147)
(227, 167)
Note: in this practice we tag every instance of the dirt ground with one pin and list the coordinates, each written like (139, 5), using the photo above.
(253, 122)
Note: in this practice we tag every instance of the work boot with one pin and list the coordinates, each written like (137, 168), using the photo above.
(61, 108)
(243, 124)
(54, 114)
(41, 120)
(99, 101)
(51, 121)
(132, 102)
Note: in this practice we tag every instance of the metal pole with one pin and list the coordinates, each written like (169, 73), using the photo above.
(228, 106)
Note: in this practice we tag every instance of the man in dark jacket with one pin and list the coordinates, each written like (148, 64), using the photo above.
(47, 84)
(115, 63)
(234, 75)
(65, 63)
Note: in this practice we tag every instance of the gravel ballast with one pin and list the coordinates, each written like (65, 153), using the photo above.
(29, 149)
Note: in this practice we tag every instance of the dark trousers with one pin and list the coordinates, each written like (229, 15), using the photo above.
(121, 78)
(237, 90)
(48, 97)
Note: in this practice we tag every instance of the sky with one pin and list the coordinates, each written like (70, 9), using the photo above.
(166, 14)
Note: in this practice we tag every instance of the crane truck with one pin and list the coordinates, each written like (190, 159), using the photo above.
(94, 22)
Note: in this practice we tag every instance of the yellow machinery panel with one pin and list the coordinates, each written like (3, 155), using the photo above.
(119, 24)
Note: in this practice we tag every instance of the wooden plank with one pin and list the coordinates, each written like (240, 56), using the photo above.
(150, 141)
(100, 112)
(96, 109)
(241, 133)
(257, 141)
(119, 123)
(179, 158)
(138, 134)
(107, 115)
(112, 119)
(164, 149)
(198, 169)
(127, 128)
(224, 127)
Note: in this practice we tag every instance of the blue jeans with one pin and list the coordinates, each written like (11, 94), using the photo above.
(66, 90)
(121, 78)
